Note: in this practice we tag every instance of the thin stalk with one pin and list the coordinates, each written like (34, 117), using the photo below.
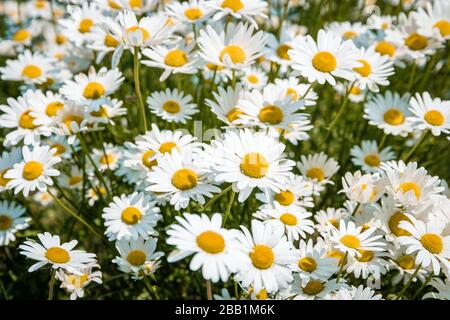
(342, 108)
(137, 87)
(208, 290)
(422, 287)
(341, 268)
(151, 289)
(382, 142)
(230, 204)
(217, 196)
(283, 18)
(411, 77)
(356, 209)
(416, 146)
(51, 284)
(409, 282)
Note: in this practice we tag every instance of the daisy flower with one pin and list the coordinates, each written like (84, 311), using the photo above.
(329, 218)
(45, 106)
(434, 16)
(107, 158)
(240, 9)
(363, 188)
(73, 180)
(235, 48)
(181, 177)
(368, 264)
(11, 221)
(7, 162)
(107, 111)
(269, 254)
(215, 250)
(172, 105)
(31, 68)
(352, 240)
(34, 172)
(406, 267)
(226, 104)
(369, 157)
(75, 283)
(51, 251)
(347, 30)
(136, 255)
(442, 287)
(278, 49)
(378, 22)
(328, 58)
(93, 88)
(190, 12)
(318, 168)
(428, 242)
(254, 78)
(389, 217)
(312, 290)
(71, 120)
(430, 114)
(296, 90)
(249, 160)
(357, 293)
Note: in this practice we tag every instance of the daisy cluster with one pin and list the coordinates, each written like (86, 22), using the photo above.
(212, 145)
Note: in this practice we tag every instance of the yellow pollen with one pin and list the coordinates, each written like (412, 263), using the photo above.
(408, 186)
(75, 180)
(211, 242)
(185, 179)
(444, 27)
(60, 39)
(384, 25)
(147, 161)
(32, 71)
(262, 257)
(406, 262)
(171, 106)
(365, 70)
(85, 25)
(372, 160)
(77, 280)
(193, 13)
(26, 121)
(355, 90)
(131, 215)
(5, 222)
(213, 67)
(57, 255)
(254, 165)
(135, 4)
(394, 221)
(145, 33)
(366, 256)
(271, 114)
(93, 90)
(350, 241)
(234, 114)
(176, 58)
(40, 4)
(167, 147)
(293, 93)
(416, 41)
(136, 257)
(315, 173)
(338, 255)
(234, 5)
(324, 61)
(282, 51)
(434, 117)
(32, 170)
(334, 222)
(52, 108)
(110, 41)
(114, 5)
(385, 48)
(394, 117)
(236, 54)
(288, 219)
(72, 118)
(60, 149)
(285, 197)
(4, 181)
(350, 35)
(21, 35)
(107, 159)
(432, 242)
(252, 79)
(307, 264)
(313, 287)
(262, 295)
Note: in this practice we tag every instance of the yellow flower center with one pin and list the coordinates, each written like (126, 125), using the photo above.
(307, 264)
(365, 70)
(171, 106)
(193, 13)
(110, 41)
(416, 41)
(131, 215)
(234, 5)
(69, 119)
(213, 67)
(234, 114)
(85, 25)
(75, 180)
(185, 179)
(394, 117)
(350, 35)
(271, 114)
(324, 61)
(21, 35)
(26, 121)
(315, 173)
(167, 147)
(32, 170)
(262, 295)
(254, 165)
(5, 222)
(432, 242)
(444, 27)
(52, 108)
(60, 39)
(334, 222)
(406, 262)
(57, 255)
(350, 241)
(288, 219)
(434, 117)
(76, 280)
(408, 186)
(147, 159)
(101, 113)
(145, 33)
(32, 71)
(136, 257)
(252, 79)
(282, 51)
(313, 287)
(338, 255)
(293, 93)
(211, 242)
(366, 256)
(262, 257)
(40, 4)
(60, 149)
(385, 48)
(394, 221)
(285, 197)
(4, 181)
(372, 160)
(135, 4)
(236, 54)
(176, 58)
(107, 159)
(93, 90)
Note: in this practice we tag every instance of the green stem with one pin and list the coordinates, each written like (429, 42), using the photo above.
(341, 268)
(283, 18)
(217, 196)
(422, 287)
(151, 288)
(230, 204)
(137, 87)
(411, 77)
(209, 290)
(382, 142)
(342, 108)
(51, 284)
(356, 209)
(416, 146)
(409, 282)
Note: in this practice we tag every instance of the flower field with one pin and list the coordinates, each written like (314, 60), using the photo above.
(225, 149)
